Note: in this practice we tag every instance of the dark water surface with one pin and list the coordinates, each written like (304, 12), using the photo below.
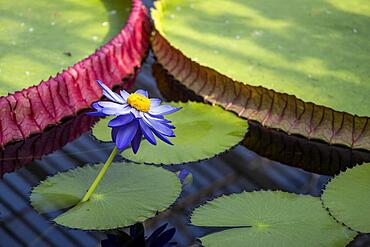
(238, 170)
(23, 165)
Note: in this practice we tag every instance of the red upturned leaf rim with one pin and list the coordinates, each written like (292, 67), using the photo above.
(272, 109)
(33, 109)
(313, 156)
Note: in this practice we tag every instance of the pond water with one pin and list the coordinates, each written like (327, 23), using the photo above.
(24, 165)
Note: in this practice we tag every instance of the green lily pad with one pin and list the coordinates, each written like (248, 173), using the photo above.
(101, 131)
(202, 131)
(127, 194)
(347, 198)
(196, 124)
(270, 218)
(313, 49)
(41, 38)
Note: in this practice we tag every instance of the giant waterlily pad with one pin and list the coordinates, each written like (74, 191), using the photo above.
(225, 51)
(347, 198)
(39, 39)
(267, 218)
(312, 49)
(127, 194)
(202, 131)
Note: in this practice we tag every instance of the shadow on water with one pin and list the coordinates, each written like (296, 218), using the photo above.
(18, 154)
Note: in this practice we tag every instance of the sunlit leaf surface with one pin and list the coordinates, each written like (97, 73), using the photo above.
(269, 218)
(195, 64)
(202, 131)
(40, 38)
(314, 49)
(347, 198)
(128, 193)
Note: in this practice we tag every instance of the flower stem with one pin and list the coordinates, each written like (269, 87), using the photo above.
(100, 175)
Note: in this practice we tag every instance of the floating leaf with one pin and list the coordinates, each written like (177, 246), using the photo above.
(347, 198)
(127, 194)
(101, 131)
(267, 218)
(275, 110)
(44, 37)
(196, 124)
(313, 156)
(202, 131)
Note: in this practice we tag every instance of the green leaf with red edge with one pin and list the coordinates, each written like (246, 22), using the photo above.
(39, 39)
(218, 74)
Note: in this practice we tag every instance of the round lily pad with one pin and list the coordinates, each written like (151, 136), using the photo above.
(101, 131)
(270, 218)
(347, 198)
(127, 194)
(313, 49)
(202, 131)
(41, 38)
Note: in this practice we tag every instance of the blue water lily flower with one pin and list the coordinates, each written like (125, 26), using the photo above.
(136, 116)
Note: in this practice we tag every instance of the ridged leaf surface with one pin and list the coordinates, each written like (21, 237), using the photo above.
(272, 109)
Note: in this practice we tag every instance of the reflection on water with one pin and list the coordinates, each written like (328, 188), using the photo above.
(237, 170)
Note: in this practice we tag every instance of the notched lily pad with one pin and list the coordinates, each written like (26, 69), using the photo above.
(128, 193)
(347, 197)
(202, 131)
(226, 52)
(101, 131)
(270, 218)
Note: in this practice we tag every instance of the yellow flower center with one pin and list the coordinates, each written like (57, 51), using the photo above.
(139, 102)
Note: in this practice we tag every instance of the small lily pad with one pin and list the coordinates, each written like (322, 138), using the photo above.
(267, 218)
(202, 131)
(101, 131)
(127, 194)
(347, 198)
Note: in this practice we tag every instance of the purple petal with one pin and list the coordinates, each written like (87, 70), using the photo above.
(114, 109)
(158, 126)
(126, 134)
(159, 118)
(169, 126)
(142, 92)
(135, 112)
(114, 134)
(162, 137)
(95, 114)
(147, 132)
(124, 94)
(121, 120)
(109, 93)
(135, 143)
(163, 110)
(96, 106)
(155, 102)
